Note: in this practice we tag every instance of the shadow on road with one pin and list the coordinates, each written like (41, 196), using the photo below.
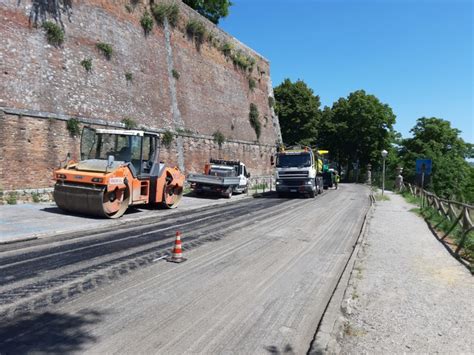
(48, 333)
(288, 349)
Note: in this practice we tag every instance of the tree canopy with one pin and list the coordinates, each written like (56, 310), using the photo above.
(357, 129)
(434, 138)
(214, 10)
(298, 110)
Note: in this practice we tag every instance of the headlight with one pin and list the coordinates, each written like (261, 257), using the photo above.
(60, 176)
(309, 182)
(278, 182)
(97, 180)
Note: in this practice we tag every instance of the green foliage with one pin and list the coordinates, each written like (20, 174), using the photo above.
(227, 49)
(146, 22)
(12, 198)
(252, 84)
(214, 10)
(87, 64)
(130, 123)
(298, 110)
(197, 30)
(35, 197)
(106, 49)
(255, 120)
(242, 60)
(128, 76)
(175, 74)
(167, 138)
(452, 177)
(129, 8)
(271, 101)
(54, 33)
(219, 138)
(357, 128)
(73, 127)
(168, 10)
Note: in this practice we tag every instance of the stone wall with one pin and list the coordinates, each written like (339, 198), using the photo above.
(163, 81)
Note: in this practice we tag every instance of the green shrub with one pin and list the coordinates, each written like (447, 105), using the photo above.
(130, 123)
(54, 33)
(35, 197)
(146, 22)
(106, 49)
(73, 127)
(219, 137)
(252, 84)
(128, 76)
(87, 64)
(227, 49)
(175, 74)
(254, 120)
(12, 198)
(243, 61)
(197, 30)
(271, 101)
(167, 138)
(166, 10)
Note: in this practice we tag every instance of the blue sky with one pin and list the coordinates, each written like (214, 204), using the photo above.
(415, 55)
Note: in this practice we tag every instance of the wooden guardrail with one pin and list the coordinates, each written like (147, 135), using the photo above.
(459, 214)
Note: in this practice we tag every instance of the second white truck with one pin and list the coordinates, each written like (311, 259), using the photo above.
(222, 177)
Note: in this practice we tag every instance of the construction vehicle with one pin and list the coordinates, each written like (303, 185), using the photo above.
(223, 177)
(117, 169)
(298, 171)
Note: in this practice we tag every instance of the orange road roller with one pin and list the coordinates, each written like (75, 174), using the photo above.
(117, 169)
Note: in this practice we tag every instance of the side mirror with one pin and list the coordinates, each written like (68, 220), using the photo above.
(248, 175)
(272, 160)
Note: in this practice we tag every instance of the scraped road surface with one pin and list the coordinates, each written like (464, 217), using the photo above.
(259, 275)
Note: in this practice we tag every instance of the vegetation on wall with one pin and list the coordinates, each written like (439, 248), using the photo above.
(128, 76)
(147, 22)
(167, 138)
(130, 123)
(87, 64)
(196, 30)
(243, 61)
(73, 127)
(252, 84)
(271, 101)
(54, 33)
(219, 137)
(227, 48)
(255, 120)
(175, 74)
(106, 49)
(166, 10)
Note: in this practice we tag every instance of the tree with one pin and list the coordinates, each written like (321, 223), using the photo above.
(298, 111)
(214, 10)
(357, 129)
(434, 138)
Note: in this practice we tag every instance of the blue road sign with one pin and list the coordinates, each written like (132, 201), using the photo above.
(423, 166)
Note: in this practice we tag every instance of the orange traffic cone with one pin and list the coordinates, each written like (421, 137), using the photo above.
(177, 253)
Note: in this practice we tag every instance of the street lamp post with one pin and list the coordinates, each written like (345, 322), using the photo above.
(384, 155)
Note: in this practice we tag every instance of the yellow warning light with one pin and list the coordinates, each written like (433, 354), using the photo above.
(322, 152)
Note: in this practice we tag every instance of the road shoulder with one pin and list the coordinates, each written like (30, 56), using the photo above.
(406, 293)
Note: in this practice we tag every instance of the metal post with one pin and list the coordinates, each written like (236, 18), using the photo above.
(383, 176)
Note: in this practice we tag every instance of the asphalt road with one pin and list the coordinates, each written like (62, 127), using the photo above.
(259, 275)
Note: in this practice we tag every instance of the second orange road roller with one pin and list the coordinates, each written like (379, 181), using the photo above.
(117, 169)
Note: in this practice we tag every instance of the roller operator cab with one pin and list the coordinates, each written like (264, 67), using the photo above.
(117, 169)
(298, 172)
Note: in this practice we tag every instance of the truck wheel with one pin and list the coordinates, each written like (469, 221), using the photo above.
(312, 194)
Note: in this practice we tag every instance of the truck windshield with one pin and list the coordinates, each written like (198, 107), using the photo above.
(293, 160)
(100, 146)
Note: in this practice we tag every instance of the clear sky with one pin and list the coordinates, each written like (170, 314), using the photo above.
(415, 55)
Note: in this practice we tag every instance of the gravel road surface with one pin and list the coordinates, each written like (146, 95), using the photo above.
(258, 277)
(407, 293)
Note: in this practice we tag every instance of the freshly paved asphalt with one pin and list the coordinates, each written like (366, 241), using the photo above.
(259, 275)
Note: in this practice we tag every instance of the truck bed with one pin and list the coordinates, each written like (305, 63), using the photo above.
(213, 180)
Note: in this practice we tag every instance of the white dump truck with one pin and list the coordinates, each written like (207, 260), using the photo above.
(222, 177)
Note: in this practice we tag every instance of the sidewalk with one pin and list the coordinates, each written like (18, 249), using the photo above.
(27, 221)
(407, 293)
